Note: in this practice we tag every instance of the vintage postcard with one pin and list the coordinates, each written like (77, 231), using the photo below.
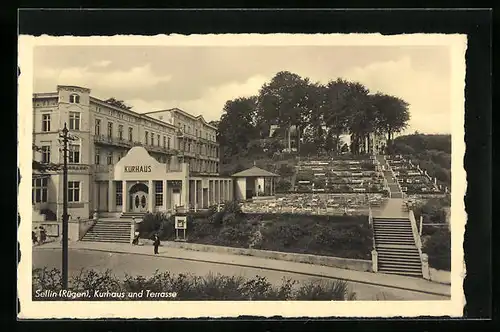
(227, 175)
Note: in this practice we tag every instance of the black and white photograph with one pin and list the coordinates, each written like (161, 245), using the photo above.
(309, 175)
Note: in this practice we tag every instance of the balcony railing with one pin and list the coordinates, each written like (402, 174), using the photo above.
(102, 168)
(102, 139)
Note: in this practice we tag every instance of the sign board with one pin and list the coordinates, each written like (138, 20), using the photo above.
(180, 222)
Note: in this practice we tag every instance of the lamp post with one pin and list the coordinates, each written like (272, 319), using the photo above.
(65, 215)
(64, 265)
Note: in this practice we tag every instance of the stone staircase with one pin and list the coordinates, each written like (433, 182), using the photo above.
(130, 215)
(395, 245)
(109, 230)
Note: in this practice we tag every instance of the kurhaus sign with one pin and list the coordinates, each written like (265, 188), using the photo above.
(137, 169)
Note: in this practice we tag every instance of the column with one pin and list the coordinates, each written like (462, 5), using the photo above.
(111, 196)
(226, 190)
(217, 192)
(124, 197)
(164, 195)
(222, 191)
(201, 195)
(151, 198)
(185, 193)
(209, 192)
(195, 195)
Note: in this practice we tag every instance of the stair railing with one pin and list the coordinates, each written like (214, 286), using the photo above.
(374, 248)
(424, 259)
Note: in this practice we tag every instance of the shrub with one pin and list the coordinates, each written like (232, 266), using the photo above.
(324, 291)
(49, 214)
(152, 223)
(190, 287)
(232, 207)
(438, 248)
(233, 236)
(216, 218)
(93, 280)
(202, 229)
(286, 234)
(432, 211)
(283, 186)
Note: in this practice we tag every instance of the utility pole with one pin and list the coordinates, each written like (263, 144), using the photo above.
(64, 265)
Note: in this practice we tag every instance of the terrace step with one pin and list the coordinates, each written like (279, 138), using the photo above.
(109, 231)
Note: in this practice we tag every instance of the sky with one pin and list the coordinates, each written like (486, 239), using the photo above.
(200, 79)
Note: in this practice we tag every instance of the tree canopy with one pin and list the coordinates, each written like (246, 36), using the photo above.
(118, 103)
(309, 116)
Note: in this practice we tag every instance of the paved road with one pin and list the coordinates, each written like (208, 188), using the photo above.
(131, 264)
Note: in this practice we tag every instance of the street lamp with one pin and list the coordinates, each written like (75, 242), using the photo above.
(64, 265)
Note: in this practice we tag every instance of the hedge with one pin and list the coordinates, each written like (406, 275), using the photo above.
(438, 248)
(338, 236)
(186, 287)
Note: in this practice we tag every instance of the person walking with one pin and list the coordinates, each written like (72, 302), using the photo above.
(43, 235)
(34, 237)
(156, 244)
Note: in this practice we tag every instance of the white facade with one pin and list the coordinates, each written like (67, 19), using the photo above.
(102, 135)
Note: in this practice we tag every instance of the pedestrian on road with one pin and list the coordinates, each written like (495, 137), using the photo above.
(156, 244)
(43, 235)
(33, 236)
(39, 234)
(136, 238)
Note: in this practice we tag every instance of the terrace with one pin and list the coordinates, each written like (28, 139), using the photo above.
(317, 204)
(412, 179)
(339, 176)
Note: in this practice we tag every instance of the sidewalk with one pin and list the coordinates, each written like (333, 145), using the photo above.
(379, 279)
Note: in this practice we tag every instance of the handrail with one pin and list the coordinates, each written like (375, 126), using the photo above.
(415, 232)
(370, 221)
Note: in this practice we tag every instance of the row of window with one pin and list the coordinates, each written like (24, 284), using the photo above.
(149, 138)
(74, 121)
(39, 192)
(198, 133)
(73, 153)
(109, 157)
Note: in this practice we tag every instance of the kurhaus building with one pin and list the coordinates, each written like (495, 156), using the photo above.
(123, 161)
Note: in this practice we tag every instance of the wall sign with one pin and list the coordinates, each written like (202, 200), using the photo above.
(180, 222)
(137, 169)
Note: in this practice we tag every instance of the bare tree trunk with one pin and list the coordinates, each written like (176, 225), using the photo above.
(337, 144)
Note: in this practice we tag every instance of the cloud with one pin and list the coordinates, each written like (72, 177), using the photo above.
(139, 77)
(102, 63)
(427, 93)
(210, 103)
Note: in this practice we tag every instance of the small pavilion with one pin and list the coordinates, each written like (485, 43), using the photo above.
(254, 182)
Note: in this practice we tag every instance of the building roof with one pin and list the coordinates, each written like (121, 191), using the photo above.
(254, 172)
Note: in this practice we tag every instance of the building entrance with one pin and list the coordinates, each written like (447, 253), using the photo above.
(139, 197)
(139, 201)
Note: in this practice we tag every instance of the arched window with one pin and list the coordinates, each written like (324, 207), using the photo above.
(74, 99)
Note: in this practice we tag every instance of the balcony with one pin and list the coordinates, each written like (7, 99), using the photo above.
(102, 168)
(112, 141)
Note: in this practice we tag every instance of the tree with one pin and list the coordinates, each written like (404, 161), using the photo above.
(287, 101)
(393, 115)
(118, 103)
(334, 111)
(361, 115)
(236, 128)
